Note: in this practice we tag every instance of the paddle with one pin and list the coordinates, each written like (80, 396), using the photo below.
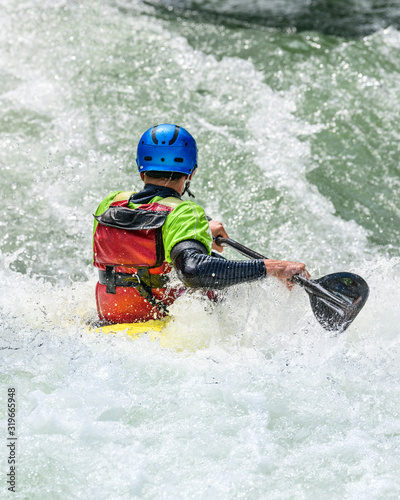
(335, 299)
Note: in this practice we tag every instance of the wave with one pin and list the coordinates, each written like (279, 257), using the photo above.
(352, 18)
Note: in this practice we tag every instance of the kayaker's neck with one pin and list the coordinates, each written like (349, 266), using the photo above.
(177, 185)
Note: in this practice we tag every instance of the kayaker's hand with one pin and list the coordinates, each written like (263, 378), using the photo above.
(217, 229)
(285, 270)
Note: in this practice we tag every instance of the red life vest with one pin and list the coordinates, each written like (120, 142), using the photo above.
(129, 253)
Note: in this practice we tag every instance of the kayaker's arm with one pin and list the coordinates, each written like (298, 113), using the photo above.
(197, 269)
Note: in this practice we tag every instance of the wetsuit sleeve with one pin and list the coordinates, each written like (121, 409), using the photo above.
(197, 269)
(186, 222)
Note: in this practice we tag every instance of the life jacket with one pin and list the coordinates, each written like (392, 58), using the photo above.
(128, 250)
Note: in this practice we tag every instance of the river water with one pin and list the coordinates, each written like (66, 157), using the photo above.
(295, 108)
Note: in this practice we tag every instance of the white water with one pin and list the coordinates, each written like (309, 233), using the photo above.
(244, 403)
(249, 398)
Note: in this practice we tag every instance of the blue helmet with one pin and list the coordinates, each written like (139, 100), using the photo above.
(168, 148)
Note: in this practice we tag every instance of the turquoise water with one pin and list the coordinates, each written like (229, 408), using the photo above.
(295, 111)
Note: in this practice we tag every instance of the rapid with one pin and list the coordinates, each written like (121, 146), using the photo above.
(294, 107)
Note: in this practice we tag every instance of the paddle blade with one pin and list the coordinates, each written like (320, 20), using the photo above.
(347, 296)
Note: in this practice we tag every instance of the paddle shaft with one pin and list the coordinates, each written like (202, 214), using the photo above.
(309, 286)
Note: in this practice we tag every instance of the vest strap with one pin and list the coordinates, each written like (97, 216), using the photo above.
(170, 201)
(112, 279)
(143, 281)
(124, 195)
(109, 279)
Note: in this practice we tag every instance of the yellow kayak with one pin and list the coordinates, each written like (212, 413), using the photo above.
(135, 330)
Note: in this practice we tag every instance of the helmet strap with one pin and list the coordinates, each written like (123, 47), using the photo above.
(187, 190)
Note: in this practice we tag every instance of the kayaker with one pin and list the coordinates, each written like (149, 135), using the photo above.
(140, 236)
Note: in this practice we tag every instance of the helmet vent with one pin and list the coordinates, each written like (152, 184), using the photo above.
(178, 160)
(175, 136)
(153, 135)
(147, 158)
